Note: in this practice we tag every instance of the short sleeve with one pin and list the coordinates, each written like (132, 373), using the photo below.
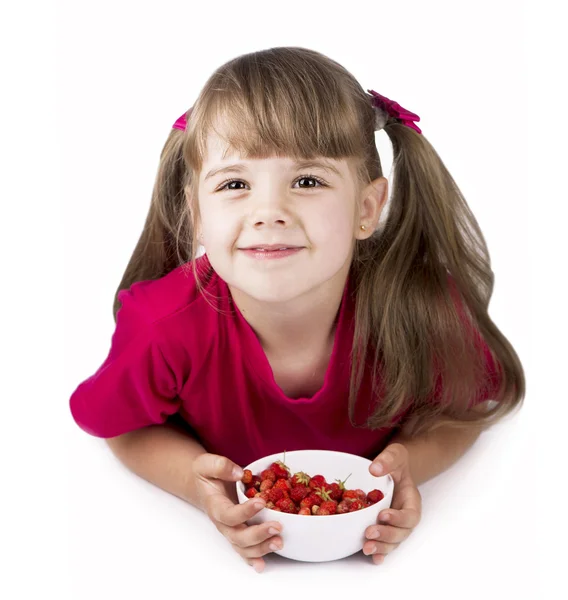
(135, 386)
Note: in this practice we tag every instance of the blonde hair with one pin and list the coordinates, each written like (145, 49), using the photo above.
(423, 282)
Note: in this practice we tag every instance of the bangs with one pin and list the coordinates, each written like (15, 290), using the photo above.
(265, 112)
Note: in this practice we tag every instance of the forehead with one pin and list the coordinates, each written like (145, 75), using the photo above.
(219, 154)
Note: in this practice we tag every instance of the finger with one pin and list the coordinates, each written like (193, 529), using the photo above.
(378, 547)
(258, 564)
(246, 536)
(222, 509)
(410, 511)
(217, 467)
(390, 535)
(259, 550)
(393, 457)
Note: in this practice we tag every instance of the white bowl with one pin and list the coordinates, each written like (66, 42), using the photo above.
(329, 537)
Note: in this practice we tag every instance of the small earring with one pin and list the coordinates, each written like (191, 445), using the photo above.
(363, 227)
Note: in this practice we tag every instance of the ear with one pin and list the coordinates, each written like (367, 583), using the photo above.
(371, 203)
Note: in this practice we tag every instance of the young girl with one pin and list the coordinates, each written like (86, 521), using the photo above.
(304, 323)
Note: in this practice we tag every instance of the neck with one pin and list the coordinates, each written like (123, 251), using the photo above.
(303, 325)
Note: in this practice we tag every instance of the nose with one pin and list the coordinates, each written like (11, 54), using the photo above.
(270, 210)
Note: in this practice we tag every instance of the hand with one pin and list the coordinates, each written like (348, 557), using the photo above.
(406, 507)
(215, 485)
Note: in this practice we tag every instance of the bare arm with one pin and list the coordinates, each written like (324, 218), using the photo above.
(162, 455)
(435, 452)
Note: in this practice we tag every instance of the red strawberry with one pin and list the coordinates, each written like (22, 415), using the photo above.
(356, 505)
(299, 492)
(283, 484)
(330, 506)
(268, 474)
(304, 511)
(280, 469)
(317, 481)
(339, 488)
(310, 500)
(361, 494)
(323, 511)
(343, 507)
(254, 483)
(335, 491)
(287, 505)
(247, 477)
(251, 492)
(275, 494)
(266, 485)
(300, 478)
(375, 496)
(350, 495)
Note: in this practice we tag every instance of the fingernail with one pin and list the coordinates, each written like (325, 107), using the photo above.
(273, 531)
(238, 473)
(274, 546)
(377, 468)
(371, 550)
(259, 505)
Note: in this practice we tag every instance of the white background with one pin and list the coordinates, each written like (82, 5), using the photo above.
(90, 93)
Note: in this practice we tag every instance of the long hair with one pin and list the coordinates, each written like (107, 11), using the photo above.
(423, 280)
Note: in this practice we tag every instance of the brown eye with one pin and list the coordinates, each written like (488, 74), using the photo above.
(318, 181)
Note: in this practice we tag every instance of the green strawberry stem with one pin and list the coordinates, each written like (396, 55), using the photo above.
(342, 483)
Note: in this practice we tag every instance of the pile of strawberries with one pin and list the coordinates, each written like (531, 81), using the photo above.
(301, 494)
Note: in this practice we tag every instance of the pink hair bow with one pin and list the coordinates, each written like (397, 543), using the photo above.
(394, 109)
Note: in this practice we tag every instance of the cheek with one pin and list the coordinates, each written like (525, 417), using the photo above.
(218, 230)
(334, 228)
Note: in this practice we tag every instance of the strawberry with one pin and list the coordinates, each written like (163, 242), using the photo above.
(317, 481)
(322, 512)
(275, 494)
(300, 478)
(335, 491)
(339, 488)
(287, 505)
(268, 474)
(375, 496)
(280, 469)
(299, 492)
(247, 477)
(254, 483)
(330, 506)
(266, 485)
(356, 505)
(343, 507)
(350, 495)
(283, 484)
(304, 511)
(361, 495)
(263, 495)
(251, 492)
(310, 500)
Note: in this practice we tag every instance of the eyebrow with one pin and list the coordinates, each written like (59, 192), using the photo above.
(240, 168)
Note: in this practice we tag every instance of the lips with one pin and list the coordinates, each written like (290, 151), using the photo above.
(273, 247)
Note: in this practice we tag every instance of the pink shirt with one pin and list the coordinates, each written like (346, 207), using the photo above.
(172, 352)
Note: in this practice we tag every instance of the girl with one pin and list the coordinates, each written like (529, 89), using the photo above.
(304, 323)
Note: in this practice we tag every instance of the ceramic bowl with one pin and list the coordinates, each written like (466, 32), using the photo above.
(329, 537)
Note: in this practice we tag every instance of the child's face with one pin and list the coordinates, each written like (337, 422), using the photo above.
(272, 202)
